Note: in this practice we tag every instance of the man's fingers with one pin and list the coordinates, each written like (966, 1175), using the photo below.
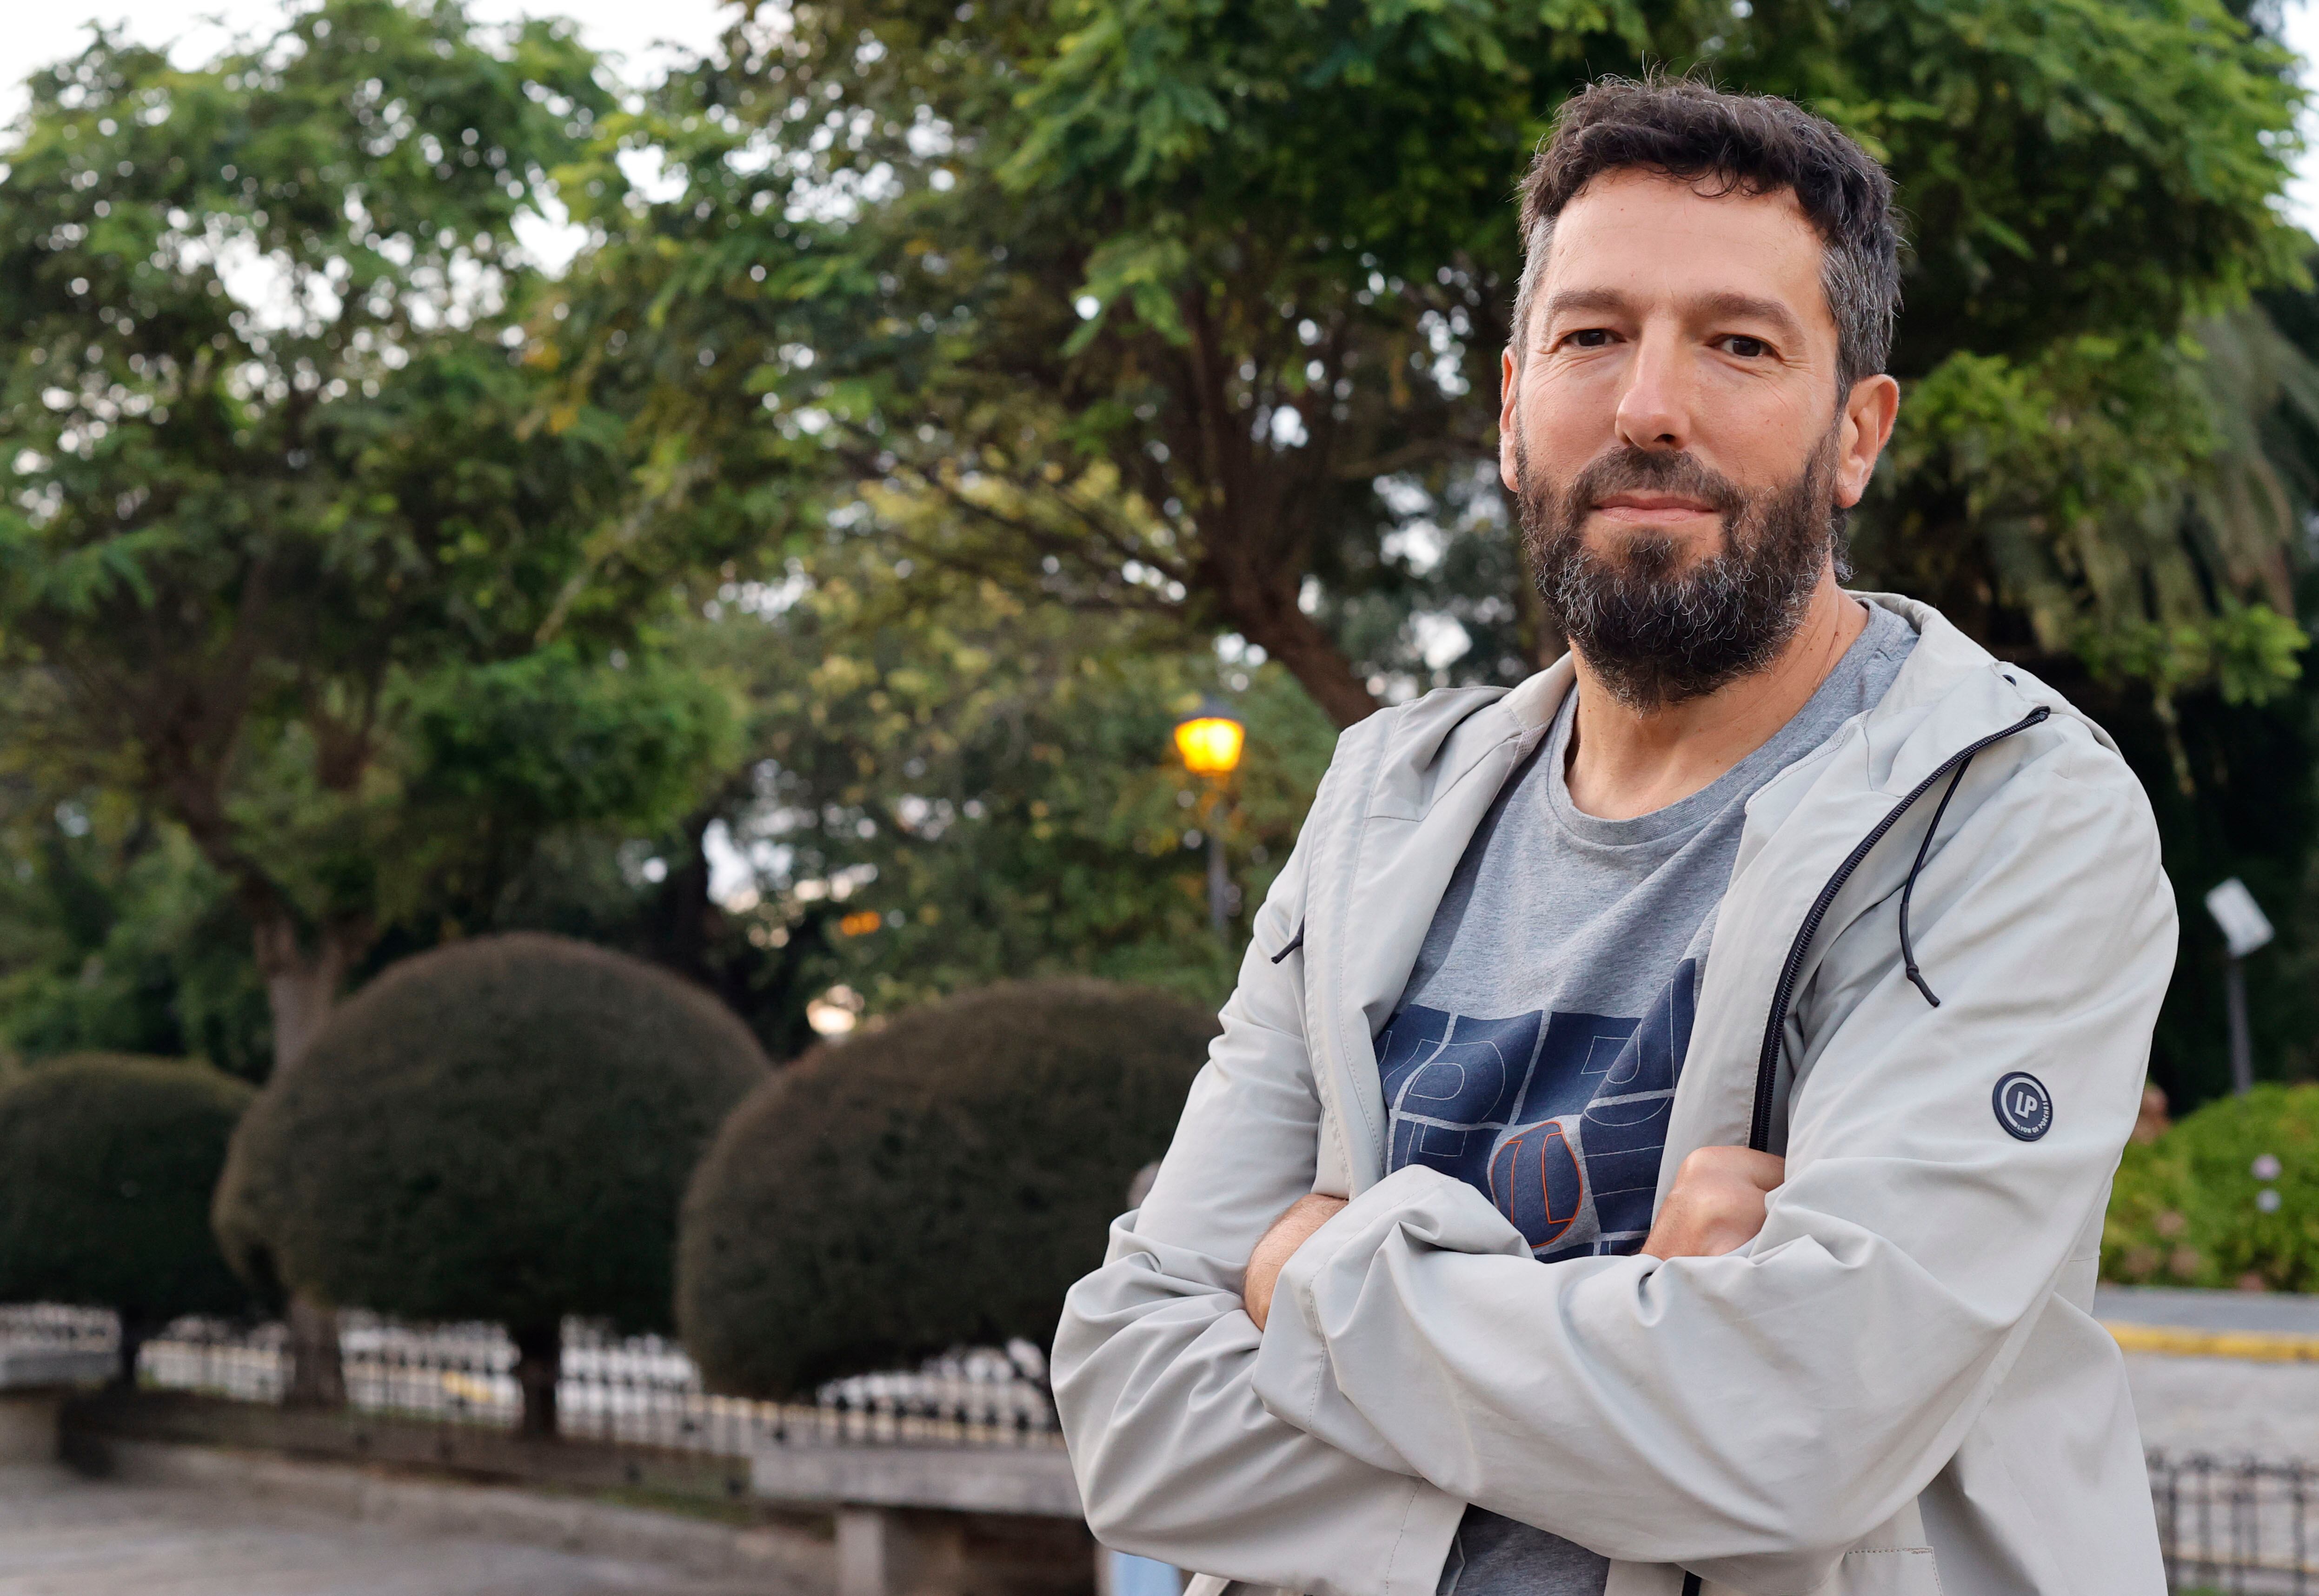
(1716, 1203)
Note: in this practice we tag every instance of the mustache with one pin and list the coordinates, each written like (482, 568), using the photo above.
(1626, 469)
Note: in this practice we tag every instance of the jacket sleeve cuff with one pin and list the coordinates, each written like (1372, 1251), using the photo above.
(1294, 1377)
(1427, 1532)
(1295, 1361)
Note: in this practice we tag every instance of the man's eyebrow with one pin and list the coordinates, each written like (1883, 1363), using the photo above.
(1579, 302)
(1742, 307)
(1729, 305)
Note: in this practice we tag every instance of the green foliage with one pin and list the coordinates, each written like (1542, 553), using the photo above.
(107, 1162)
(993, 783)
(280, 482)
(566, 741)
(939, 1181)
(1051, 341)
(508, 751)
(2191, 1209)
(498, 1129)
(116, 937)
(2083, 378)
(2247, 651)
(2086, 167)
(2146, 1234)
(1193, 308)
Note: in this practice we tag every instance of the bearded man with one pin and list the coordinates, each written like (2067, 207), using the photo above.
(1660, 1138)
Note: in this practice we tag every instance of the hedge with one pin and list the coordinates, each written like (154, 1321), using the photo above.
(107, 1163)
(498, 1129)
(936, 1183)
(2228, 1197)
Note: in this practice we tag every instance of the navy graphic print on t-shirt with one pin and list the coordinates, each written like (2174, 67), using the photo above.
(1558, 1117)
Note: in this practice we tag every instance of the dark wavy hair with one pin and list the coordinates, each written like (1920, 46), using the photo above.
(1728, 143)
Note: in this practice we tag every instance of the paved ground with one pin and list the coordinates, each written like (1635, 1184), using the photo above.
(2226, 1407)
(2223, 1406)
(61, 1536)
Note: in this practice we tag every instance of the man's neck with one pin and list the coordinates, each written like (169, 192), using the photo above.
(1625, 761)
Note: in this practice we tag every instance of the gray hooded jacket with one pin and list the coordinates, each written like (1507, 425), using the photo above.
(1896, 1389)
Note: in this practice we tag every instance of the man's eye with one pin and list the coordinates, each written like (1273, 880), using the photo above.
(1746, 348)
(1590, 337)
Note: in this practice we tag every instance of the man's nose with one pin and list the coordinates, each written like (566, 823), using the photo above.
(1654, 407)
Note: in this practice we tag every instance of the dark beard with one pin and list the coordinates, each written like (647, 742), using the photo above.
(1654, 633)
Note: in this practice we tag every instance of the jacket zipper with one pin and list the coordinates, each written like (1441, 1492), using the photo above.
(1768, 1063)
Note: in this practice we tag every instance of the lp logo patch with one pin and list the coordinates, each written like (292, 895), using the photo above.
(2023, 1106)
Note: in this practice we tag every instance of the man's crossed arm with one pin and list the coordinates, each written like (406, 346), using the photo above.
(1715, 1206)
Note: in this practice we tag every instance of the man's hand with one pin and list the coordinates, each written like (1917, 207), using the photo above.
(1716, 1203)
(1288, 1232)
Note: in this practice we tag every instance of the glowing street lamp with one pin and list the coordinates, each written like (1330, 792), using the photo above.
(1210, 738)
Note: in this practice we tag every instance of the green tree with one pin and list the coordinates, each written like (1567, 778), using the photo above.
(107, 1162)
(498, 1129)
(279, 496)
(1195, 309)
(278, 480)
(995, 1132)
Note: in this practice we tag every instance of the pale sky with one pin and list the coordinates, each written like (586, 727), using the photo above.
(41, 31)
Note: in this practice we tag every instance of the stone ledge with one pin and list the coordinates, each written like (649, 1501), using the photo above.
(36, 1369)
(1035, 1483)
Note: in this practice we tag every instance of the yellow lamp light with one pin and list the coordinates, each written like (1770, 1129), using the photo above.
(1210, 739)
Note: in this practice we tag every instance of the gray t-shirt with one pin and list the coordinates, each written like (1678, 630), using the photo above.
(1535, 1052)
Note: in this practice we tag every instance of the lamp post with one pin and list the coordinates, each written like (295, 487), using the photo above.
(2245, 927)
(1210, 738)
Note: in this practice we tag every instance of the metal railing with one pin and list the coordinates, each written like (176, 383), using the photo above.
(46, 1325)
(633, 1391)
(2237, 1525)
(2241, 1526)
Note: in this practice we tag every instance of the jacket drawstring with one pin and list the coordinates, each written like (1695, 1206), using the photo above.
(1767, 1062)
(1909, 890)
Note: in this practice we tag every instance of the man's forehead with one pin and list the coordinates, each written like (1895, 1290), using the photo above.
(1645, 238)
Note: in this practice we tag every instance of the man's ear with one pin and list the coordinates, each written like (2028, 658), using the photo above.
(1867, 427)
(1509, 421)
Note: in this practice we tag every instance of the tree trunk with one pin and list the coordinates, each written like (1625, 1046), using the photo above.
(301, 984)
(318, 1375)
(301, 987)
(539, 1366)
(1272, 621)
(131, 1337)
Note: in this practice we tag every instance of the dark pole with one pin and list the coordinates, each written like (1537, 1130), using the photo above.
(1219, 881)
(2242, 1046)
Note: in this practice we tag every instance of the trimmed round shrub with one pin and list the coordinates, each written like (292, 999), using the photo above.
(2228, 1197)
(497, 1130)
(939, 1181)
(107, 1164)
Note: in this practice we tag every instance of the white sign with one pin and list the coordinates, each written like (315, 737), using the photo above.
(2242, 921)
